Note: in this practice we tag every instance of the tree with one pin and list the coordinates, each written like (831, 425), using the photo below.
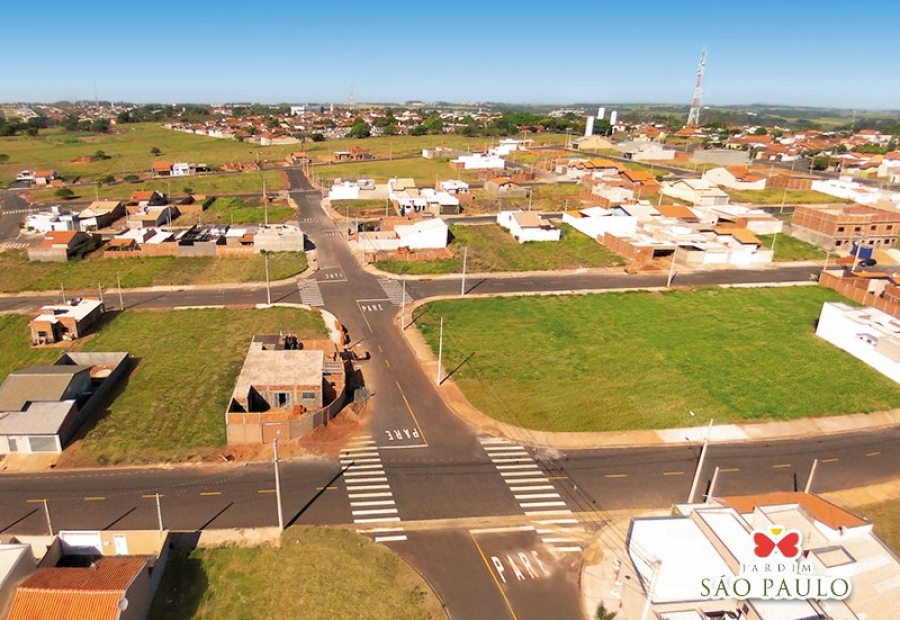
(155, 151)
(109, 179)
(317, 137)
(821, 162)
(188, 190)
(4, 158)
(100, 155)
(101, 125)
(65, 193)
(603, 613)
(418, 130)
(132, 178)
(359, 129)
(70, 122)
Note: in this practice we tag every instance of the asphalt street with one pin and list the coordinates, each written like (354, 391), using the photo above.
(418, 464)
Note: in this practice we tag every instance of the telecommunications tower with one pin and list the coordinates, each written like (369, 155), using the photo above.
(693, 118)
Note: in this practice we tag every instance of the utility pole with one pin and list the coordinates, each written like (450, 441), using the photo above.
(440, 352)
(712, 485)
(277, 483)
(700, 463)
(812, 472)
(63, 289)
(47, 514)
(672, 268)
(121, 300)
(656, 567)
(159, 513)
(268, 287)
(403, 306)
(100, 292)
(462, 288)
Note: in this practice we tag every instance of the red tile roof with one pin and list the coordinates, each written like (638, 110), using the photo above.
(107, 574)
(821, 510)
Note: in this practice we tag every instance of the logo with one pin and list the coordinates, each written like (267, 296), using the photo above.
(775, 568)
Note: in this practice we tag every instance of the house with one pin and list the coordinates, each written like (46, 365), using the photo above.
(755, 220)
(42, 407)
(839, 227)
(286, 388)
(868, 334)
(95, 591)
(440, 203)
(592, 143)
(722, 157)
(161, 169)
(61, 246)
(595, 222)
(890, 165)
(68, 321)
(503, 187)
(16, 564)
(147, 198)
(25, 176)
(100, 214)
(844, 188)
(639, 180)
(57, 219)
(478, 161)
(698, 192)
(405, 233)
(150, 217)
(736, 177)
(278, 238)
(44, 177)
(344, 190)
(668, 561)
(527, 226)
(454, 186)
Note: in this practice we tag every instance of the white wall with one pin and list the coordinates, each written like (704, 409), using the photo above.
(598, 226)
(344, 191)
(836, 327)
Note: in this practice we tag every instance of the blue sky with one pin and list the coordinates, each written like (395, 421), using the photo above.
(796, 53)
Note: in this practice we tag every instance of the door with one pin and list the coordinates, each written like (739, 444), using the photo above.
(121, 543)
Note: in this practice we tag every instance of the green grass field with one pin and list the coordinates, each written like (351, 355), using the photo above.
(643, 360)
(171, 407)
(19, 274)
(777, 196)
(886, 517)
(239, 211)
(492, 249)
(789, 248)
(425, 172)
(316, 574)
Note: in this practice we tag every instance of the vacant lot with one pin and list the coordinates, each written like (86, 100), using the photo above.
(171, 406)
(492, 249)
(777, 196)
(789, 248)
(317, 573)
(886, 517)
(240, 211)
(19, 274)
(643, 360)
(425, 172)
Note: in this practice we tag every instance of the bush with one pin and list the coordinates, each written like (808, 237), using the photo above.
(65, 193)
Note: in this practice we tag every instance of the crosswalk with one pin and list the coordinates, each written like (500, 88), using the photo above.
(12, 245)
(371, 500)
(554, 522)
(394, 291)
(16, 211)
(310, 293)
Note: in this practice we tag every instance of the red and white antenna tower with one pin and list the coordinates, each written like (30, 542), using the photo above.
(694, 115)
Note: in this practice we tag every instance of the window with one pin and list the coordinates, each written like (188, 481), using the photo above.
(282, 399)
(840, 229)
(890, 227)
(308, 396)
(857, 229)
(838, 243)
(874, 227)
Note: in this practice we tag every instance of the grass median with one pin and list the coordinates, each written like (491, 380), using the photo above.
(643, 360)
(316, 573)
(170, 407)
(20, 274)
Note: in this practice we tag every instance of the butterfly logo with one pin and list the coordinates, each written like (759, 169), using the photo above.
(787, 543)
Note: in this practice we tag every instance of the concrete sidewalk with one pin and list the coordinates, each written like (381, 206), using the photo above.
(752, 431)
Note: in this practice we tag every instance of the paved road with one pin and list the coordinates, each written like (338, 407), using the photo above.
(13, 209)
(420, 465)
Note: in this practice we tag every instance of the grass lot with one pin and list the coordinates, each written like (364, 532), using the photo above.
(223, 183)
(360, 208)
(19, 274)
(886, 517)
(789, 248)
(239, 211)
(546, 197)
(425, 172)
(777, 196)
(643, 360)
(172, 405)
(492, 249)
(316, 574)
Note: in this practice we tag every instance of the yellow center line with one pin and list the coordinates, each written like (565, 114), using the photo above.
(326, 488)
(152, 496)
(830, 460)
(266, 491)
(365, 318)
(95, 498)
(496, 582)
(780, 465)
(408, 408)
(35, 501)
(876, 453)
(615, 475)
(557, 477)
(673, 473)
(210, 492)
(724, 469)
(386, 362)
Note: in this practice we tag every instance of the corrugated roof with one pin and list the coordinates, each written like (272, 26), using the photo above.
(49, 605)
(108, 574)
(38, 383)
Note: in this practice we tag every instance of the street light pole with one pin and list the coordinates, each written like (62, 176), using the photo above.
(403, 306)
(672, 268)
(440, 351)
(159, 513)
(462, 288)
(268, 287)
(700, 463)
(47, 514)
(277, 483)
(121, 300)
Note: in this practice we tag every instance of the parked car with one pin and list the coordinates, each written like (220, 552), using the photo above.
(867, 262)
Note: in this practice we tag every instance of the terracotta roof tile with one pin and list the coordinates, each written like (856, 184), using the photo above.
(64, 605)
(820, 509)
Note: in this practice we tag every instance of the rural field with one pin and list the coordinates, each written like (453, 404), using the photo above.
(492, 249)
(170, 407)
(643, 360)
(20, 274)
(316, 574)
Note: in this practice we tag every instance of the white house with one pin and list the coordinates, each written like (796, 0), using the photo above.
(479, 161)
(278, 238)
(181, 169)
(851, 190)
(870, 335)
(56, 219)
(755, 220)
(426, 234)
(612, 194)
(454, 186)
(736, 177)
(527, 226)
(695, 191)
(890, 165)
(597, 221)
(344, 190)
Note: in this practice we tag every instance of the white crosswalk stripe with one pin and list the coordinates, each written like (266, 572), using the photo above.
(310, 294)
(370, 503)
(12, 245)
(394, 291)
(538, 498)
